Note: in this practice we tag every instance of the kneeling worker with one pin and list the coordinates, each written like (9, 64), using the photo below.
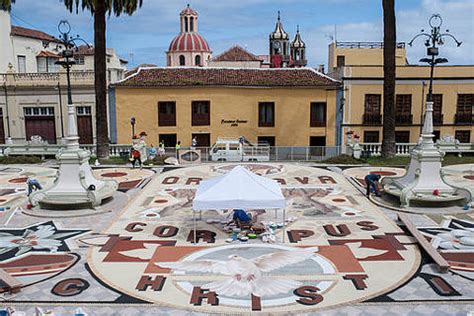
(372, 181)
(240, 217)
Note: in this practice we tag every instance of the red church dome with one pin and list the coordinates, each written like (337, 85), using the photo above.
(189, 42)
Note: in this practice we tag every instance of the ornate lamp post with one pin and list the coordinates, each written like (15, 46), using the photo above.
(423, 181)
(433, 40)
(75, 187)
(69, 43)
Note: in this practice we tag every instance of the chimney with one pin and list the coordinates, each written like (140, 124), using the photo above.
(321, 68)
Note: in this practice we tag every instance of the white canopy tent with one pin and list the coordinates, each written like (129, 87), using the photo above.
(238, 189)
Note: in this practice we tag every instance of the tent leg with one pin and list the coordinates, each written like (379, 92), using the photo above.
(194, 220)
(284, 226)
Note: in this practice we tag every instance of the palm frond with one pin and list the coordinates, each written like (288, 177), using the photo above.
(6, 5)
(116, 7)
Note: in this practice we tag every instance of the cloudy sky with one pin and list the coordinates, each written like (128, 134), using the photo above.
(145, 36)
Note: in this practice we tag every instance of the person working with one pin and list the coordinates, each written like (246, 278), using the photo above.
(372, 181)
(33, 185)
(177, 147)
(240, 216)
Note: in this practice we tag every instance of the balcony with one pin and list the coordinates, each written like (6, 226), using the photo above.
(47, 79)
(372, 119)
(404, 119)
(166, 119)
(437, 119)
(464, 118)
(201, 119)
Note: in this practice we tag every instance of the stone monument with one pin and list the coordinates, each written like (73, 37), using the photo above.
(75, 186)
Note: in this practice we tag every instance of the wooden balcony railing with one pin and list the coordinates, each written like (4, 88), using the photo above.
(464, 118)
(201, 119)
(372, 119)
(404, 119)
(166, 119)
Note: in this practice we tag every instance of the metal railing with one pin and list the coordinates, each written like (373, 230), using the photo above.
(365, 44)
(372, 119)
(275, 153)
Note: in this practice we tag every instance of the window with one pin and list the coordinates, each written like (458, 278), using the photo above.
(191, 27)
(318, 114)
(46, 64)
(21, 64)
(37, 111)
(371, 136)
(83, 111)
(201, 113)
(403, 109)
(167, 113)
(372, 107)
(186, 24)
(437, 109)
(266, 114)
(402, 137)
(464, 109)
(182, 60)
(197, 60)
(463, 136)
(79, 60)
(341, 61)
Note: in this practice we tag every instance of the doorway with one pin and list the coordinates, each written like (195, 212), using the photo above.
(318, 145)
(168, 139)
(203, 140)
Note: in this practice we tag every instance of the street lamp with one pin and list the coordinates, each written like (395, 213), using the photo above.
(433, 40)
(132, 122)
(69, 44)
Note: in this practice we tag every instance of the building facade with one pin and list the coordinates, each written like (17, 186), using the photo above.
(33, 96)
(283, 107)
(359, 66)
(188, 48)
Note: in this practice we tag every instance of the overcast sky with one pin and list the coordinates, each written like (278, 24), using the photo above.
(145, 36)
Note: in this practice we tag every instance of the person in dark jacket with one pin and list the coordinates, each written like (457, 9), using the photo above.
(372, 181)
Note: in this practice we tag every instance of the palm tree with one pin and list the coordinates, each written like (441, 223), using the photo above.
(6, 4)
(99, 8)
(389, 44)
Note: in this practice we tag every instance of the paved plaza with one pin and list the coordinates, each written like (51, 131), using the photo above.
(341, 254)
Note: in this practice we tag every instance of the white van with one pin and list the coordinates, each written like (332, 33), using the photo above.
(234, 149)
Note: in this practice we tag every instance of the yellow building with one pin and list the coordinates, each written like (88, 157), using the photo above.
(359, 66)
(284, 107)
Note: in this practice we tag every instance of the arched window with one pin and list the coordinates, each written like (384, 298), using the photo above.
(182, 60)
(169, 60)
(185, 23)
(197, 60)
(191, 27)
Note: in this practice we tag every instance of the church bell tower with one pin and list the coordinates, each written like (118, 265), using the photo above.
(279, 46)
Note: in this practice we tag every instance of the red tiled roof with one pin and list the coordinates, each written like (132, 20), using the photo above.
(135, 69)
(45, 53)
(239, 77)
(24, 32)
(236, 53)
(84, 50)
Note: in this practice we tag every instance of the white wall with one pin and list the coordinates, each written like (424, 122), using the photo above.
(6, 49)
